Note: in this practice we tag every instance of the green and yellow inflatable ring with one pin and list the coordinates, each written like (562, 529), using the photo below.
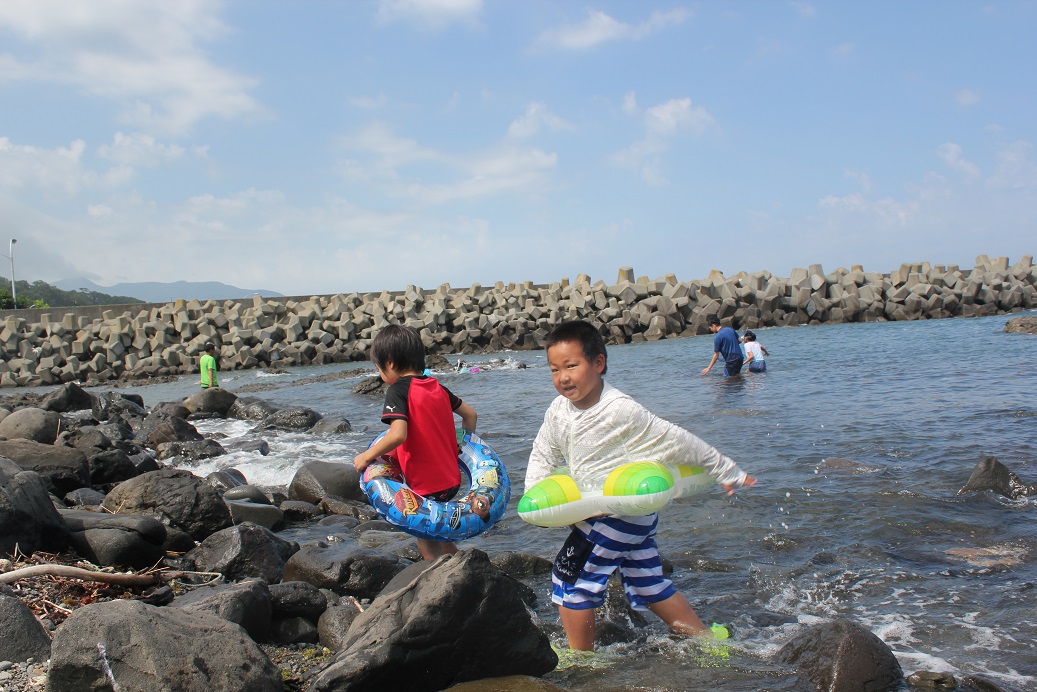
(632, 489)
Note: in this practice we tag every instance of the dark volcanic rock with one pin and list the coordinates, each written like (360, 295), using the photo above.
(177, 497)
(145, 647)
(116, 539)
(245, 603)
(991, 474)
(843, 656)
(344, 568)
(245, 550)
(457, 603)
(64, 468)
(28, 519)
(31, 424)
(316, 480)
(21, 634)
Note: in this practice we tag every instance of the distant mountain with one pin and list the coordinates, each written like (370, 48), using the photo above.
(158, 292)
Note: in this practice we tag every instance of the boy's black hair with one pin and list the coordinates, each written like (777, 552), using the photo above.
(583, 333)
(713, 321)
(749, 336)
(399, 345)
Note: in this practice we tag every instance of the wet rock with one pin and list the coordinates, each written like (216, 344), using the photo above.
(263, 514)
(521, 565)
(1024, 324)
(116, 539)
(261, 446)
(90, 440)
(68, 397)
(457, 603)
(316, 480)
(251, 408)
(171, 408)
(145, 647)
(926, 680)
(294, 630)
(298, 510)
(245, 603)
(177, 497)
(291, 419)
(508, 683)
(31, 424)
(212, 400)
(370, 385)
(196, 450)
(344, 568)
(331, 426)
(126, 406)
(333, 624)
(245, 550)
(225, 479)
(111, 466)
(158, 428)
(297, 599)
(28, 519)
(21, 635)
(84, 497)
(245, 492)
(64, 468)
(357, 509)
(843, 656)
(991, 474)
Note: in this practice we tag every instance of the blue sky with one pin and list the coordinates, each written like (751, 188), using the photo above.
(318, 147)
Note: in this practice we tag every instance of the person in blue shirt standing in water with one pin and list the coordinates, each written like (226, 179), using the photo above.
(725, 342)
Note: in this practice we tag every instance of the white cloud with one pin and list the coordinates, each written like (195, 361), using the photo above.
(675, 115)
(630, 104)
(1015, 170)
(429, 15)
(145, 55)
(967, 97)
(951, 155)
(662, 123)
(844, 49)
(140, 150)
(536, 116)
(401, 167)
(805, 8)
(599, 27)
(369, 102)
(28, 167)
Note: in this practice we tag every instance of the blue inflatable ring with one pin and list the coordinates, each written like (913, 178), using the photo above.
(477, 510)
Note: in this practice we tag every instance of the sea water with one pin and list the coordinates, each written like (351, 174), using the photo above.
(860, 436)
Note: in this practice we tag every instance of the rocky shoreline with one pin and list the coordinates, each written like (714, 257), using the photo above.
(126, 571)
(166, 340)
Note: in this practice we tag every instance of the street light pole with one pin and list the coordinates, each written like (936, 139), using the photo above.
(14, 295)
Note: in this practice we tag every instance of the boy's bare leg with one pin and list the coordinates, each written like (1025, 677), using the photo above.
(430, 550)
(579, 627)
(678, 614)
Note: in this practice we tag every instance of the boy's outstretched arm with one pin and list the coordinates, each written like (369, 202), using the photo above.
(711, 363)
(391, 440)
(729, 488)
(468, 416)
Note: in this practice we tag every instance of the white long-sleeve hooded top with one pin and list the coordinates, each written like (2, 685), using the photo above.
(617, 430)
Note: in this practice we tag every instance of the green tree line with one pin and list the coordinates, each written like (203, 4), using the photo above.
(40, 294)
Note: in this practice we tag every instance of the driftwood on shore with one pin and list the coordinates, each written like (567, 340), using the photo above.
(167, 339)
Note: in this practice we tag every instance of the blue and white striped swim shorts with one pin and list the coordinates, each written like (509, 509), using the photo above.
(594, 550)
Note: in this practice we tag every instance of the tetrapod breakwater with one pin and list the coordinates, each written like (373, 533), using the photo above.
(44, 347)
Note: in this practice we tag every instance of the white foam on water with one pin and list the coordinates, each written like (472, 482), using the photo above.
(288, 451)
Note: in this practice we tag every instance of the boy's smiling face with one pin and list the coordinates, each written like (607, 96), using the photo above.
(575, 377)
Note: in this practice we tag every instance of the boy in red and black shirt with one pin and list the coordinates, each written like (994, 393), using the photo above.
(420, 414)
